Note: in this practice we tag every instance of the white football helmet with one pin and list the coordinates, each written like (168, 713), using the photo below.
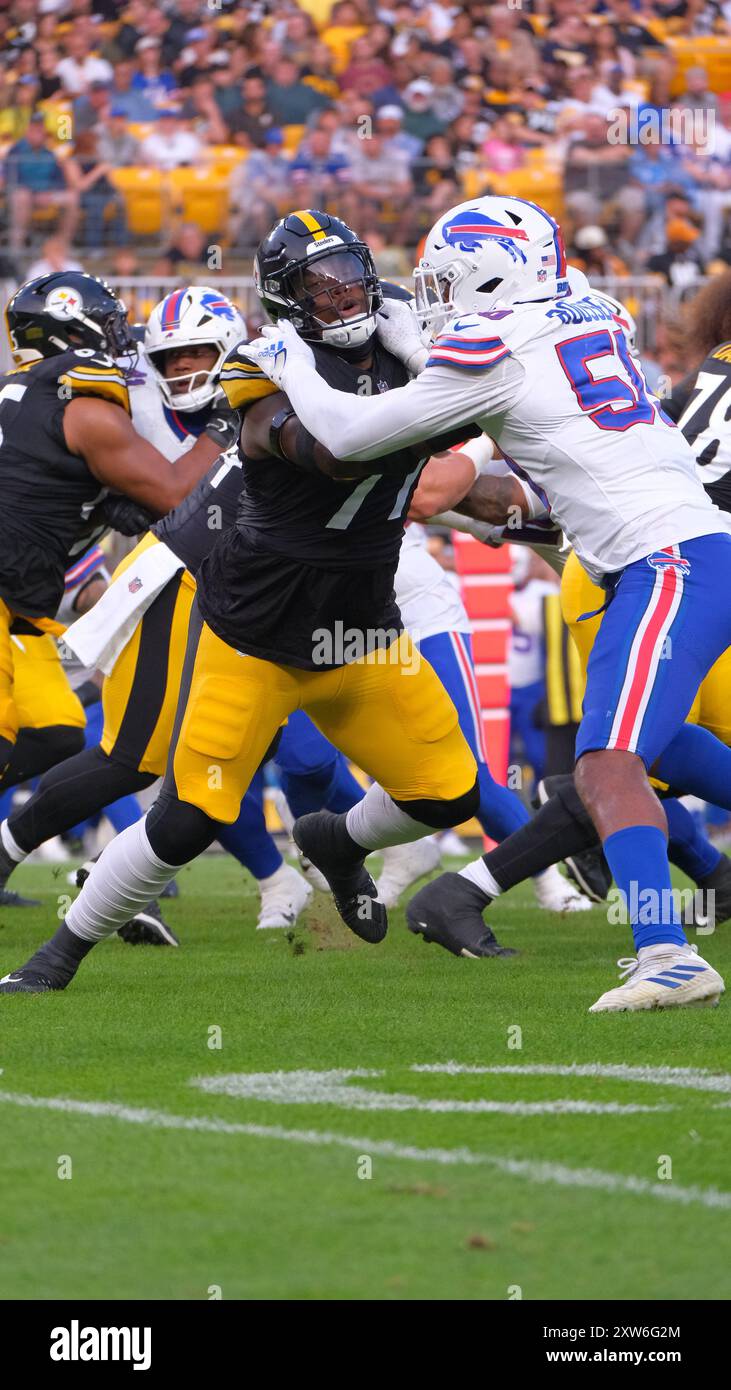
(196, 315)
(493, 251)
(580, 287)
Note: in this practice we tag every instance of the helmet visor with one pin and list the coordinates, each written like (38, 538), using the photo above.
(335, 289)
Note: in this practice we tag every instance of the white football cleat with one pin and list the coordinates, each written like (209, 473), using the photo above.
(558, 894)
(283, 896)
(403, 865)
(313, 875)
(662, 977)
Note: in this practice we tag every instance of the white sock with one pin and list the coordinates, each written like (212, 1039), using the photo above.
(377, 822)
(123, 881)
(477, 872)
(11, 846)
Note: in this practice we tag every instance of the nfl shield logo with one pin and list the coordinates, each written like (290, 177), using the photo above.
(134, 585)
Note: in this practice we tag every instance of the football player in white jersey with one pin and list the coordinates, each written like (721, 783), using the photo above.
(551, 378)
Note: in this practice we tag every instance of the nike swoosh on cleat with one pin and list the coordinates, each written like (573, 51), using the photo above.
(11, 980)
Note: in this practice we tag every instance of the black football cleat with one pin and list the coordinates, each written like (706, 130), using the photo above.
(353, 889)
(26, 981)
(148, 928)
(716, 902)
(449, 912)
(10, 899)
(588, 867)
(591, 873)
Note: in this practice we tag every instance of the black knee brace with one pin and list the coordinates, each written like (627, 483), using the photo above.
(442, 815)
(178, 831)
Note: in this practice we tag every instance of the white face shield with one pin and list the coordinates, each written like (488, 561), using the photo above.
(190, 390)
(339, 301)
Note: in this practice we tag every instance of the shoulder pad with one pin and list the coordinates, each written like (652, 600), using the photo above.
(722, 353)
(243, 382)
(87, 373)
(468, 342)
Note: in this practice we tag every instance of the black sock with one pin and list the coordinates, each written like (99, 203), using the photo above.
(562, 827)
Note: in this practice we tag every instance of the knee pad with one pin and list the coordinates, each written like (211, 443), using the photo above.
(178, 831)
(442, 815)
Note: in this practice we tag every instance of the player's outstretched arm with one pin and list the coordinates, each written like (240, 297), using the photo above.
(360, 427)
(103, 435)
(271, 427)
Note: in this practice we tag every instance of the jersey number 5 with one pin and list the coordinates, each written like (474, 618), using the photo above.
(613, 402)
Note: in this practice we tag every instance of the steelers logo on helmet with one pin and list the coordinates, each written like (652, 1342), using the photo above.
(64, 303)
(313, 270)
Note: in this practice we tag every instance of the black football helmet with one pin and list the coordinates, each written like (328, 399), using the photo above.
(67, 309)
(313, 270)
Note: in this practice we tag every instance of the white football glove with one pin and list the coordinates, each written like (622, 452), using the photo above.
(277, 351)
(398, 332)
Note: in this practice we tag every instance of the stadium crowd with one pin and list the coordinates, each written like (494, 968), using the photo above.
(119, 122)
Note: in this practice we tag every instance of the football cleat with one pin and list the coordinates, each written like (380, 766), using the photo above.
(148, 928)
(449, 911)
(404, 865)
(10, 899)
(283, 896)
(662, 977)
(555, 893)
(716, 890)
(355, 893)
(25, 981)
(588, 868)
(591, 873)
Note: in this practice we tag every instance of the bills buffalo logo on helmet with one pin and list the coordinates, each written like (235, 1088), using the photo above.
(216, 304)
(661, 561)
(468, 230)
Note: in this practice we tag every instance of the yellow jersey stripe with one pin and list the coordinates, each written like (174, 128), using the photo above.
(242, 392)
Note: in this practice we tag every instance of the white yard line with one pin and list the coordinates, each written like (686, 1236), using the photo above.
(531, 1170)
(688, 1078)
(335, 1088)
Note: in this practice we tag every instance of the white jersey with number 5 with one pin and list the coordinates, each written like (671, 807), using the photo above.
(556, 387)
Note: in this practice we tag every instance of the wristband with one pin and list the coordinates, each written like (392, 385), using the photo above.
(275, 431)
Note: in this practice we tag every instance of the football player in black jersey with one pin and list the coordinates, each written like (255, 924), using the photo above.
(295, 610)
(70, 460)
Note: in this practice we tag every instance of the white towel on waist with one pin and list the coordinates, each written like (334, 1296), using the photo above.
(99, 636)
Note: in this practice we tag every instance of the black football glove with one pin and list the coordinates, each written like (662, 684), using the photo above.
(224, 425)
(123, 514)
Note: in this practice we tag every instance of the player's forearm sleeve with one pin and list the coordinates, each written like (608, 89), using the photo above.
(363, 427)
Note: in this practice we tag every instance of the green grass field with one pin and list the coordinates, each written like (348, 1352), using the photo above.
(252, 1187)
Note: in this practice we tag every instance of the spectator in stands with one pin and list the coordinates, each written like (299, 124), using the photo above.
(435, 184)
(171, 144)
(656, 169)
(697, 95)
(295, 36)
(592, 254)
(36, 181)
(596, 169)
(365, 73)
(607, 53)
(102, 208)
(289, 100)
(419, 116)
(199, 57)
(681, 263)
(187, 253)
(158, 23)
(117, 146)
(91, 108)
(48, 78)
(447, 98)
(15, 116)
(381, 185)
(608, 96)
(55, 255)
(203, 113)
(634, 37)
(136, 105)
(130, 31)
(318, 173)
(318, 72)
(151, 80)
(259, 191)
(504, 150)
(390, 126)
(79, 68)
(250, 123)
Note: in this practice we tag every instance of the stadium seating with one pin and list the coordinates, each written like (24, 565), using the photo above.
(143, 193)
(197, 195)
